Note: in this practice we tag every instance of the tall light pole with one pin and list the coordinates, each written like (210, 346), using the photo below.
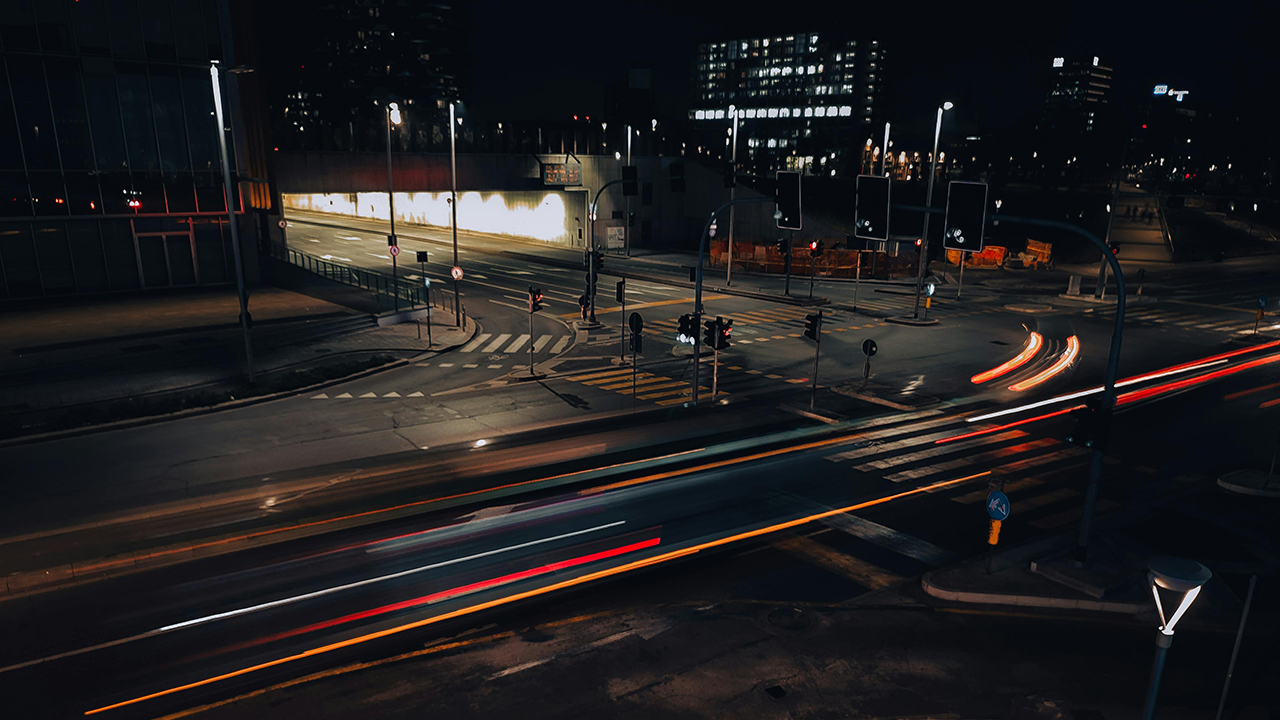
(453, 209)
(1178, 576)
(928, 201)
(626, 227)
(246, 321)
(393, 118)
(884, 154)
(733, 191)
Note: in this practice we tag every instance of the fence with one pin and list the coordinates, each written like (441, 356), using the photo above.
(381, 284)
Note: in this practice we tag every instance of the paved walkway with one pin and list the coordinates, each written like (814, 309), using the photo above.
(1138, 229)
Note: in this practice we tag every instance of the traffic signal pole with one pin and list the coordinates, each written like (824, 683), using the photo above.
(791, 239)
(591, 249)
(697, 291)
(817, 346)
(246, 320)
(928, 201)
(1108, 400)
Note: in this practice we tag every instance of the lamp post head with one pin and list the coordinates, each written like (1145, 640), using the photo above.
(617, 155)
(393, 112)
(1177, 575)
(947, 105)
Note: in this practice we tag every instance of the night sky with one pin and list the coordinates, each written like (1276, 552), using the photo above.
(550, 59)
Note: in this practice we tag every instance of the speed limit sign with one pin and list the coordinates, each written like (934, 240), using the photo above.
(456, 272)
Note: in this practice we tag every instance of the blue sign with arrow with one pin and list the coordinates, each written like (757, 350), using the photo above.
(1262, 303)
(998, 505)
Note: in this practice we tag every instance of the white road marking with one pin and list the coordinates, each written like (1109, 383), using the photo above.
(446, 364)
(471, 346)
(369, 395)
(384, 257)
(497, 343)
(517, 344)
(414, 394)
(310, 595)
(541, 342)
(321, 396)
(343, 396)
(560, 345)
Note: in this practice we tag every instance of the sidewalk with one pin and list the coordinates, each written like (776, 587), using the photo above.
(179, 350)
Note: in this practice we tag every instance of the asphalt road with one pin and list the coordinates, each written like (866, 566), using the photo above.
(206, 630)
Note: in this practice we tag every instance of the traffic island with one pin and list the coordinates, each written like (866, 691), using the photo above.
(1251, 482)
(908, 320)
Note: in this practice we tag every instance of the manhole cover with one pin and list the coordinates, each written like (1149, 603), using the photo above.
(775, 691)
(788, 619)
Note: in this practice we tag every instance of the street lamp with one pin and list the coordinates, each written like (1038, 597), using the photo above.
(1175, 575)
(733, 193)
(246, 320)
(453, 207)
(393, 118)
(928, 201)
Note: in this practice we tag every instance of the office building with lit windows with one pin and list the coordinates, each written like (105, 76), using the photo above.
(110, 178)
(1077, 100)
(806, 102)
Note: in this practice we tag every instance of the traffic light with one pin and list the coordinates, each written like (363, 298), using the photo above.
(730, 176)
(710, 331)
(636, 341)
(815, 248)
(598, 256)
(535, 299)
(619, 292)
(919, 242)
(966, 216)
(676, 169)
(871, 207)
(591, 280)
(787, 198)
(688, 331)
(724, 328)
(784, 246)
(1115, 247)
(630, 186)
(812, 326)
(1093, 427)
(631, 219)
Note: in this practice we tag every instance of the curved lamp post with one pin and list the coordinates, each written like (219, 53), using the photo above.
(1183, 579)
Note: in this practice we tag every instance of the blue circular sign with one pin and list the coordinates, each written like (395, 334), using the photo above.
(998, 505)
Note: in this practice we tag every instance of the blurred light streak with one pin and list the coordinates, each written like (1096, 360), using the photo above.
(1034, 343)
(1063, 362)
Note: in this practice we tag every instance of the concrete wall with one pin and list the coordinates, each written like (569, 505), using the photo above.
(662, 219)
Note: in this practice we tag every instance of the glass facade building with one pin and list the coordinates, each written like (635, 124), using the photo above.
(110, 177)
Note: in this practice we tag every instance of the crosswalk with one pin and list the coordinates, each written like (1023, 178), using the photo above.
(674, 387)
(1181, 317)
(507, 343)
(879, 547)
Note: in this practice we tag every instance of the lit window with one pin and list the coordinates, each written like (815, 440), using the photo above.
(820, 112)
(784, 112)
(845, 111)
(808, 112)
(812, 69)
(700, 115)
(773, 112)
(719, 115)
(773, 143)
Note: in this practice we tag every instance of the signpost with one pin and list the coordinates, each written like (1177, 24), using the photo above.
(869, 349)
(998, 508)
(1257, 318)
(621, 297)
(456, 273)
(636, 324)
(394, 248)
(813, 331)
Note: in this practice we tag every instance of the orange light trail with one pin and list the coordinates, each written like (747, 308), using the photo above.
(1034, 343)
(535, 592)
(1068, 357)
(1250, 391)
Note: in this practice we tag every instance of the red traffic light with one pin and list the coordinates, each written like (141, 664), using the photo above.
(919, 242)
(135, 203)
(813, 245)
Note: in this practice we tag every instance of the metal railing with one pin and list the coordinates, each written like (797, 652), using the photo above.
(383, 286)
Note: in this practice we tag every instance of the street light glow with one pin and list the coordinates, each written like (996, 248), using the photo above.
(947, 106)
(395, 113)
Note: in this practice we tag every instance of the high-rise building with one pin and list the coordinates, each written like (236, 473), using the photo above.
(110, 177)
(357, 55)
(1077, 100)
(806, 102)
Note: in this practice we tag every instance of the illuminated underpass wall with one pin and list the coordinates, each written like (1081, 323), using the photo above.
(553, 217)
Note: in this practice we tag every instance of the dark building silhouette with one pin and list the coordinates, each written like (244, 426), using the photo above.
(110, 178)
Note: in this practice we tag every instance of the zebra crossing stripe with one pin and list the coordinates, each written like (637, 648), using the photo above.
(941, 450)
(560, 345)
(654, 384)
(497, 343)
(517, 344)
(321, 396)
(606, 373)
(343, 396)
(640, 379)
(471, 346)
(936, 468)
(541, 342)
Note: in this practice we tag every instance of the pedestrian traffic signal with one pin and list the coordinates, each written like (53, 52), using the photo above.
(730, 177)
(787, 197)
(688, 331)
(631, 219)
(784, 247)
(676, 169)
(598, 256)
(710, 331)
(1092, 427)
(966, 216)
(871, 207)
(619, 293)
(1114, 247)
(724, 328)
(812, 325)
(535, 299)
(630, 186)
(815, 248)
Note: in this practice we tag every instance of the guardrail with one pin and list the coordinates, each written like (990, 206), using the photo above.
(381, 284)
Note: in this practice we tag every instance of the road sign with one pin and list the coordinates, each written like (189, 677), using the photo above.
(394, 250)
(456, 272)
(636, 323)
(871, 207)
(930, 289)
(869, 347)
(1262, 303)
(426, 282)
(283, 224)
(392, 241)
(424, 256)
(998, 505)
(965, 221)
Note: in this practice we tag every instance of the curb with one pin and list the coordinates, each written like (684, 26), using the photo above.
(1030, 309)
(912, 322)
(988, 598)
(1226, 484)
(230, 405)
